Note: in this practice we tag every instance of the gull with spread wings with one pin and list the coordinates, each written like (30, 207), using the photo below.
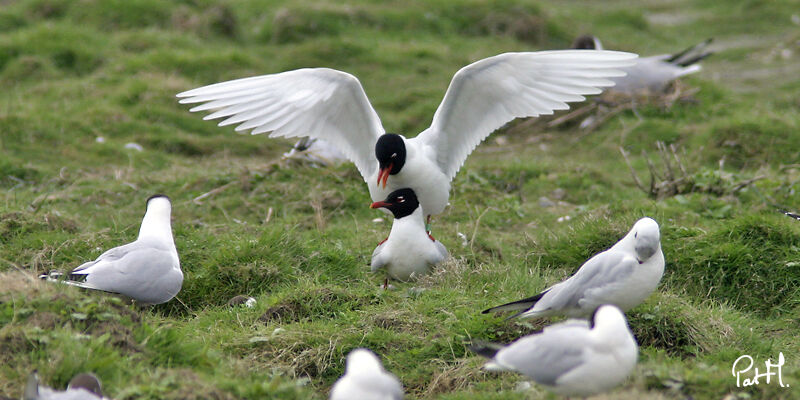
(331, 105)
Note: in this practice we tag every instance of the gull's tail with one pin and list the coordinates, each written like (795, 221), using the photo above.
(790, 214)
(691, 55)
(70, 279)
(484, 349)
(523, 305)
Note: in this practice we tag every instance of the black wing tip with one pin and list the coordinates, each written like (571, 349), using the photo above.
(483, 348)
(523, 303)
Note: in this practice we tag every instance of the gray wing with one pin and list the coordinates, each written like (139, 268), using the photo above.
(545, 357)
(109, 255)
(144, 273)
(379, 259)
(651, 74)
(598, 276)
(441, 253)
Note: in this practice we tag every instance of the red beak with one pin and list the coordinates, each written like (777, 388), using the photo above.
(379, 204)
(383, 175)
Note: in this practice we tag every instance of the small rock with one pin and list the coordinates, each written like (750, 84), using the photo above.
(463, 237)
(564, 218)
(100, 139)
(377, 220)
(545, 202)
(796, 19)
(240, 300)
(522, 386)
(501, 140)
(558, 194)
(134, 146)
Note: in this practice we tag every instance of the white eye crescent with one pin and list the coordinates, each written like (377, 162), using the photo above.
(394, 155)
(401, 199)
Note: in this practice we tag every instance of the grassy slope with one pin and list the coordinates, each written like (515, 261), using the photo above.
(298, 239)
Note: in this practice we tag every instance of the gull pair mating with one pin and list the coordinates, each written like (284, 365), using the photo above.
(146, 270)
(331, 105)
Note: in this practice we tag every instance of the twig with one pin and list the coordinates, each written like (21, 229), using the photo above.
(633, 172)
(213, 192)
(477, 223)
(746, 183)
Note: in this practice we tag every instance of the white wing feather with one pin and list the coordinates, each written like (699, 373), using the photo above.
(487, 94)
(318, 102)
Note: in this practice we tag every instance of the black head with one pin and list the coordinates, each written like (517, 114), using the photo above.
(401, 203)
(390, 150)
(584, 42)
(155, 196)
(86, 381)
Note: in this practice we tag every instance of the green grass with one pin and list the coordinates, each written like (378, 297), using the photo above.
(298, 239)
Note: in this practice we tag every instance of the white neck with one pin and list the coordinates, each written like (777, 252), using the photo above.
(412, 221)
(156, 224)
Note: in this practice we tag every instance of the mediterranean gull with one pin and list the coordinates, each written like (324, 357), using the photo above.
(409, 251)
(82, 387)
(146, 270)
(572, 358)
(651, 74)
(624, 275)
(365, 379)
(328, 104)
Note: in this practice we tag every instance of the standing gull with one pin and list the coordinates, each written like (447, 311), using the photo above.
(331, 105)
(146, 270)
(365, 379)
(572, 358)
(624, 275)
(409, 251)
(651, 75)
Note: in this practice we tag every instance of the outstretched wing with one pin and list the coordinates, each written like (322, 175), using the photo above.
(321, 103)
(486, 94)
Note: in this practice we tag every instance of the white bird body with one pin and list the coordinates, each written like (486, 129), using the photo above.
(365, 379)
(572, 359)
(90, 391)
(408, 252)
(421, 174)
(482, 97)
(147, 269)
(624, 275)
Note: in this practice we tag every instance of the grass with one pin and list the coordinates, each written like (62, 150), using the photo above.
(298, 239)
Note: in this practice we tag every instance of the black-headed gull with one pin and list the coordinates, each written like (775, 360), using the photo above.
(652, 74)
(81, 387)
(409, 251)
(365, 379)
(483, 96)
(573, 358)
(146, 270)
(624, 275)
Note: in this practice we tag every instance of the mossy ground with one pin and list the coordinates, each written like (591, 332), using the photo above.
(298, 238)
